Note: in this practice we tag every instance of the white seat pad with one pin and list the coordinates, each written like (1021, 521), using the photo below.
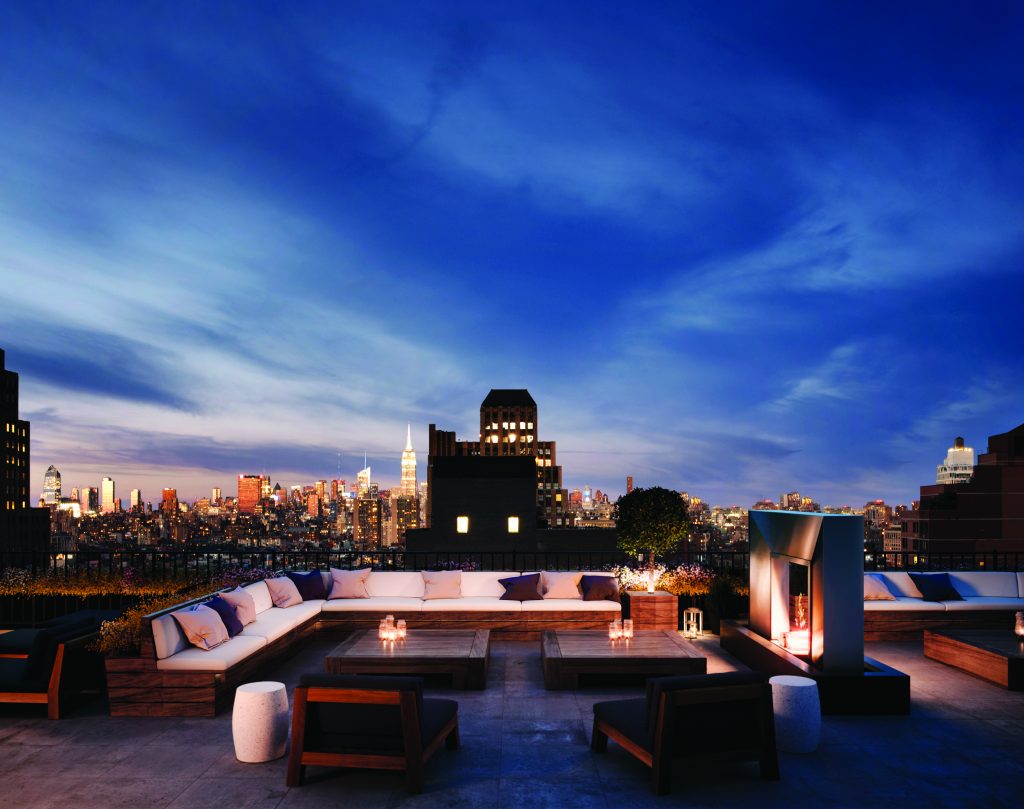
(260, 595)
(571, 605)
(273, 623)
(219, 658)
(985, 603)
(395, 584)
(380, 605)
(471, 604)
(904, 603)
(485, 582)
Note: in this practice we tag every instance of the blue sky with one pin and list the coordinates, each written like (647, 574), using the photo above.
(730, 248)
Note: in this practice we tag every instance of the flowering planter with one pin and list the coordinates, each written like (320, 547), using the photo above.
(28, 611)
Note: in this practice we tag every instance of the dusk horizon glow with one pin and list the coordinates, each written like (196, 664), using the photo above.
(735, 251)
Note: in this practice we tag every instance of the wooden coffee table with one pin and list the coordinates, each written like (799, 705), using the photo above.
(993, 655)
(462, 653)
(566, 654)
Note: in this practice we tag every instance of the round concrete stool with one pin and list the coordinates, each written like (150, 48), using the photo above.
(797, 713)
(259, 721)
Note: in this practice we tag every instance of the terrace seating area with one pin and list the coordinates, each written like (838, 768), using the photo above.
(522, 745)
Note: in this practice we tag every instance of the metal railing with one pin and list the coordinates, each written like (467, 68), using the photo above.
(207, 564)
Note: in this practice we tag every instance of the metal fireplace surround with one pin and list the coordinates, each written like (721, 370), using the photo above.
(832, 548)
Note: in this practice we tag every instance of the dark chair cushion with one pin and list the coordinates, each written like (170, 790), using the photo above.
(521, 588)
(97, 617)
(935, 587)
(723, 719)
(12, 678)
(310, 585)
(437, 713)
(18, 641)
(627, 716)
(227, 614)
(43, 653)
(600, 588)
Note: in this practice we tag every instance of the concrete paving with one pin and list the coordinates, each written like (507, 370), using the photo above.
(522, 746)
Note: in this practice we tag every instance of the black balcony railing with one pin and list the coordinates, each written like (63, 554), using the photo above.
(206, 564)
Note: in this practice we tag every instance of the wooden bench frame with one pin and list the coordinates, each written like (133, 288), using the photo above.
(412, 760)
(899, 625)
(136, 687)
(52, 695)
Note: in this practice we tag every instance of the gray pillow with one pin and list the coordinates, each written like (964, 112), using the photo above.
(349, 583)
(202, 626)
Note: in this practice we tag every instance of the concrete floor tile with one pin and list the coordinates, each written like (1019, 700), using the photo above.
(479, 793)
(215, 793)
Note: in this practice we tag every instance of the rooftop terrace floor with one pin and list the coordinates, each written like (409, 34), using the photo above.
(522, 746)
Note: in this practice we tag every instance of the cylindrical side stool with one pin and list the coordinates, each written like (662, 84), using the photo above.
(797, 713)
(259, 721)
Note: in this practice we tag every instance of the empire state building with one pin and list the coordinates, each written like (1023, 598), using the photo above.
(408, 486)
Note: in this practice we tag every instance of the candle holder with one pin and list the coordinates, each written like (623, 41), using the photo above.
(400, 629)
(615, 630)
(627, 628)
(1018, 626)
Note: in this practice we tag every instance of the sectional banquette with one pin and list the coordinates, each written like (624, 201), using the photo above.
(171, 677)
(987, 600)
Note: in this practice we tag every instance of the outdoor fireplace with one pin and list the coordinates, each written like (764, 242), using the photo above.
(807, 611)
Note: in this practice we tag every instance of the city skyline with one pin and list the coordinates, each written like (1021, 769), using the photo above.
(733, 254)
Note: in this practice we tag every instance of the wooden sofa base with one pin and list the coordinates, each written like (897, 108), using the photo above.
(900, 625)
(136, 687)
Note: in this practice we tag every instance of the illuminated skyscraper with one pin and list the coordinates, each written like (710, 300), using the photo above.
(51, 487)
(21, 527)
(169, 501)
(108, 503)
(136, 499)
(90, 500)
(249, 492)
(958, 466)
(363, 480)
(215, 495)
(408, 486)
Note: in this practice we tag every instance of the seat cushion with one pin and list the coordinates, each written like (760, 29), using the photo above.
(719, 720)
(277, 621)
(971, 584)
(168, 638)
(437, 713)
(900, 583)
(902, 603)
(984, 603)
(13, 677)
(220, 658)
(628, 716)
(395, 584)
(571, 605)
(485, 582)
(375, 605)
(876, 589)
(472, 604)
(18, 641)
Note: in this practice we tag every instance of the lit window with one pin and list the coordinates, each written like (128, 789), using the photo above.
(513, 525)
(462, 525)
(522, 425)
(511, 436)
(504, 425)
(529, 425)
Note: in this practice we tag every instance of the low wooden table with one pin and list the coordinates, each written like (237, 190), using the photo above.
(566, 654)
(996, 656)
(462, 653)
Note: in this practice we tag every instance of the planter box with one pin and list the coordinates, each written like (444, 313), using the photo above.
(30, 611)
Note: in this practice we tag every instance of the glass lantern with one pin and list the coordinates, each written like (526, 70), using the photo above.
(693, 623)
(1018, 626)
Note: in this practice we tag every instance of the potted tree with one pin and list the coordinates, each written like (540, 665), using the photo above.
(651, 523)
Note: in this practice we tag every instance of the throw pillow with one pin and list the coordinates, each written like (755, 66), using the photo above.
(283, 591)
(242, 601)
(600, 588)
(202, 626)
(561, 585)
(227, 614)
(875, 589)
(521, 588)
(349, 583)
(310, 585)
(442, 584)
(935, 587)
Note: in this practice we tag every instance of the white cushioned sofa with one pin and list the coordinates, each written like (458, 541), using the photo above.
(988, 600)
(174, 678)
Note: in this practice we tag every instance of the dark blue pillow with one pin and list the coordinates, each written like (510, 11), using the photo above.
(935, 587)
(521, 588)
(600, 588)
(310, 585)
(227, 614)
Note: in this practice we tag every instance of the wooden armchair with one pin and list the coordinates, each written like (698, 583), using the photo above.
(705, 715)
(57, 664)
(368, 722)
